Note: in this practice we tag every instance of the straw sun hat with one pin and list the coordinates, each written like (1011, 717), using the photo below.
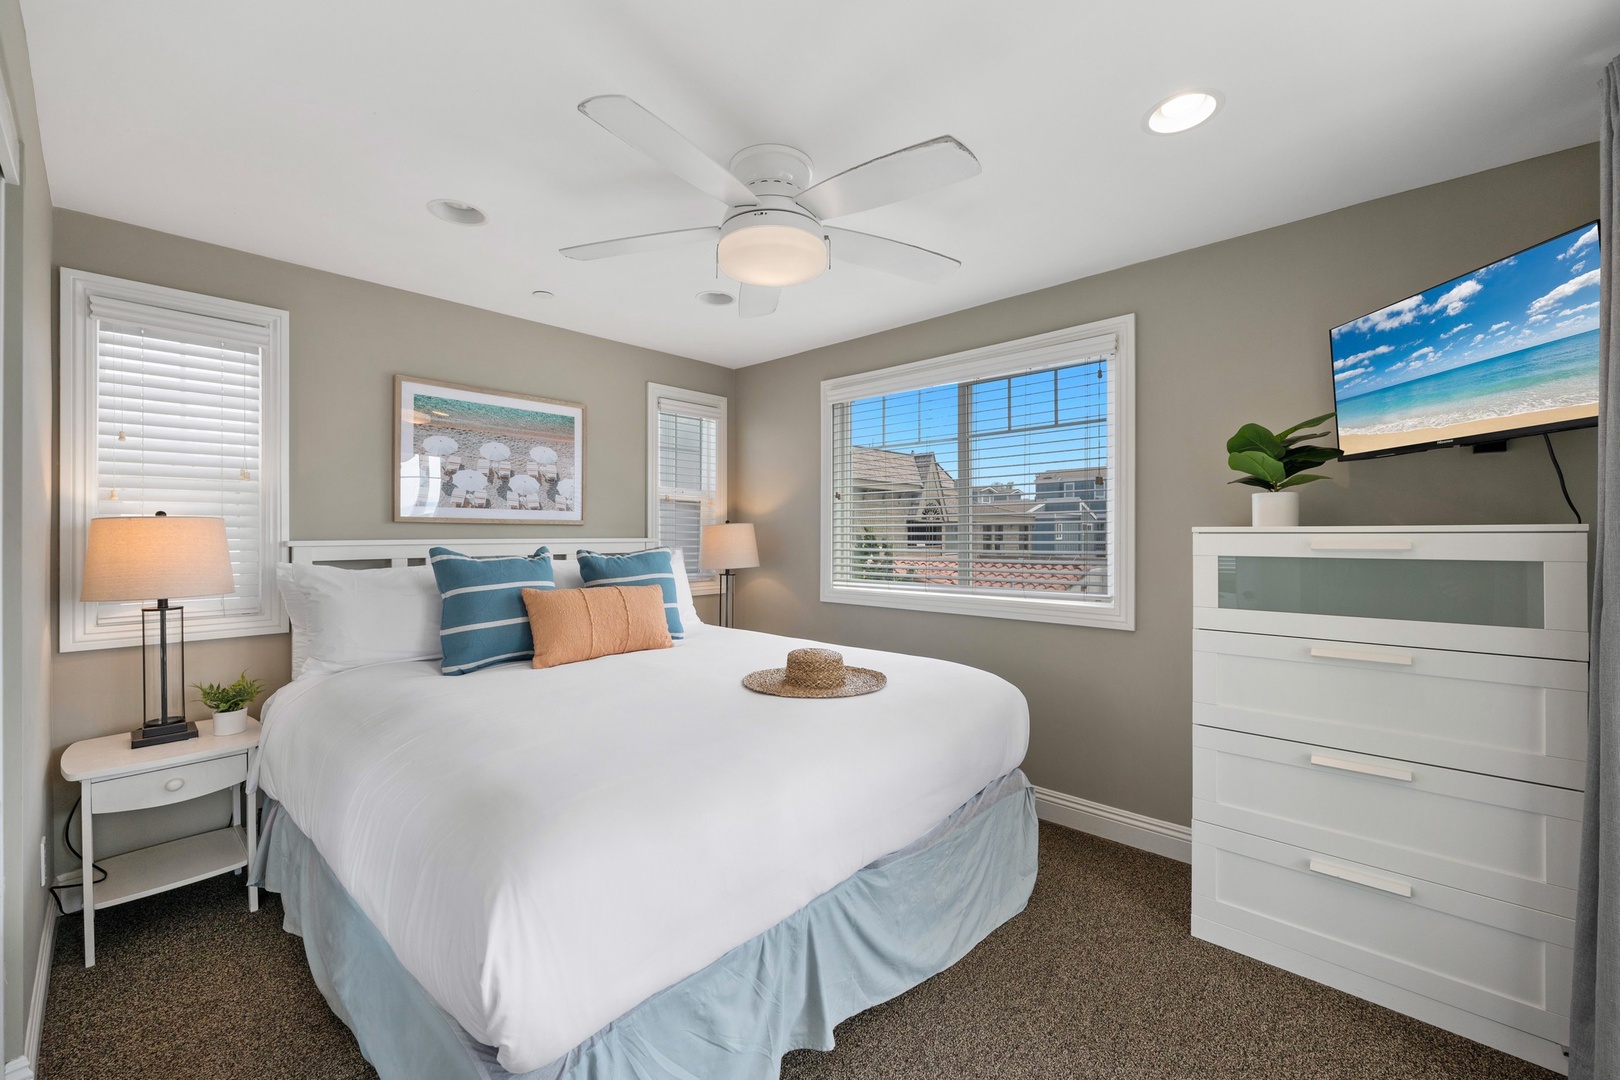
(815, 673)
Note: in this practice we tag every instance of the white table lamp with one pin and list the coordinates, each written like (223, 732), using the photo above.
(727, 548)
(158, 558)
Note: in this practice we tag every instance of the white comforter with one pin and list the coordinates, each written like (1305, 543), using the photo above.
(545, 849)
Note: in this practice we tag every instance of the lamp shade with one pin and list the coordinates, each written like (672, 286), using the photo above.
(728, 547)
(156, 558)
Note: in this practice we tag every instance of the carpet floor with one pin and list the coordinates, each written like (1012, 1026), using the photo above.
(1098, 979)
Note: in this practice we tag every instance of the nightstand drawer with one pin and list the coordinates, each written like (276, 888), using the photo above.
(163, 786)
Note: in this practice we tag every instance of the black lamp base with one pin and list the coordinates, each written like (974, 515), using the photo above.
(153, 734)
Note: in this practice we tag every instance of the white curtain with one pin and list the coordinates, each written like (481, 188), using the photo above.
(1594, 1051)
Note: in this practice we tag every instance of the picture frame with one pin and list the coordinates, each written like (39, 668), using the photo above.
(467, 453)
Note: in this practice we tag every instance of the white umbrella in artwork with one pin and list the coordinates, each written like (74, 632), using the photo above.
(542, 455)
(567, 491)
(495, 451)
(439, 445)
(524, 485)
(470, 480)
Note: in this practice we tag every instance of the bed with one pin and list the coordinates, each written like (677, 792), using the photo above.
(633, 866)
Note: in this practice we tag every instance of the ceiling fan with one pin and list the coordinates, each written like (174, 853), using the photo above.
(771, 235)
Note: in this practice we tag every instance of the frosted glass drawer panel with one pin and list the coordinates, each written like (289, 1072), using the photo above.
(1494, 959)
(1515, 716)
(1503, 838)
(1475, 592)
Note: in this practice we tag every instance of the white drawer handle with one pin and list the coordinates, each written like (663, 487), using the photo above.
(176, 784)
(1385, 771)
(1344, 873)
(1402, 659)
(1370, 544)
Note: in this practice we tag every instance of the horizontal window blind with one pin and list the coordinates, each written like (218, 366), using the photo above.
(688, 435)
(179, 428)
(999, 485)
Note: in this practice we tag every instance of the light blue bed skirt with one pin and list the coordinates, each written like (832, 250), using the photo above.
(883, 930)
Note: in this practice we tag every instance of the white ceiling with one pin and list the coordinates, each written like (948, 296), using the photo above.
(316, 132)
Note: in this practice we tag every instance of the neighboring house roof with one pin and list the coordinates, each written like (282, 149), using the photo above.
(1089, 473)
(874, 466)
(1020, 507)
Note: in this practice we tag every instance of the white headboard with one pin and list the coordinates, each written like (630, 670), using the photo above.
(406, 552)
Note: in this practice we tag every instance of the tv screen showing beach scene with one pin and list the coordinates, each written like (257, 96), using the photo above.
(1510, 349)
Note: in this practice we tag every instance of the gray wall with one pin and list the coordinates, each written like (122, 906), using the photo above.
(349, 338)
(25, 521)
(1229, 333)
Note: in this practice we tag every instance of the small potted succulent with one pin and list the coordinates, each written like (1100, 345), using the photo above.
(1276, 464)
(230, 702)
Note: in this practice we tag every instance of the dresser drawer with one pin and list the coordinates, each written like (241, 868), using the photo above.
(162, 786)
(1500, 838)
(1504, 715)
(1493, 959)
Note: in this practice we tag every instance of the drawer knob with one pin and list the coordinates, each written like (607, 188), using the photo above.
(176, 784)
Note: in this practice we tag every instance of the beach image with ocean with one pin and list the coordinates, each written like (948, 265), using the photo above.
(1551, 383)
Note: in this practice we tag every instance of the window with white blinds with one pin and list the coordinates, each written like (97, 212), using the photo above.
(686, 471)
(172, 402)
(994, 482)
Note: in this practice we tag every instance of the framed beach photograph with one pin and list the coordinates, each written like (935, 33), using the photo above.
(467, 454)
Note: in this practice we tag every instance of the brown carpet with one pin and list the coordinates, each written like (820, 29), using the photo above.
(1098, 980)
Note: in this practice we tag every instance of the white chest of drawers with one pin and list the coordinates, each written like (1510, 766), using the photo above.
(1388, 754)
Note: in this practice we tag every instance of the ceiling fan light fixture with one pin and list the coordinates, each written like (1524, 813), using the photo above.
(1182, 112)
(772, 248)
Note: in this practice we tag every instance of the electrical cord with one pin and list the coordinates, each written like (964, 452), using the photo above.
(1561, 485)
(95, 868)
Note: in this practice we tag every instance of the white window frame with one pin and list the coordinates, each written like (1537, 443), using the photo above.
(1039, 353)
(269, 326)
(700, 586)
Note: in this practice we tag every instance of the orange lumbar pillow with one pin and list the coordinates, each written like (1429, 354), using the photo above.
(581, 624)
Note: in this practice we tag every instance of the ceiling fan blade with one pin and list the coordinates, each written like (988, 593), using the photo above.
(756, 300)
(631, 245)
(644, 131)
(890, 256)
(915, 170)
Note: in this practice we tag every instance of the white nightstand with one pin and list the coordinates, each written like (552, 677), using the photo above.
(114, 777)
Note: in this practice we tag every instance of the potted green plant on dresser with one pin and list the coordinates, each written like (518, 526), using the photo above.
(229, 702)
(1276, 464)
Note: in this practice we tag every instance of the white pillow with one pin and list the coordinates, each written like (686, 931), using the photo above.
(565, 572)
(683, 591)
(350, 618)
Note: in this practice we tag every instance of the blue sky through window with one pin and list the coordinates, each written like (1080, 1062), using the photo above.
(1021, 426)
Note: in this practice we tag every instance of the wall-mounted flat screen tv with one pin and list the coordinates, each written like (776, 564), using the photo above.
(1508, 350)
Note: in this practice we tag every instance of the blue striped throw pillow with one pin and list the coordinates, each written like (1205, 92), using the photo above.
(484, 621)
(655, 567)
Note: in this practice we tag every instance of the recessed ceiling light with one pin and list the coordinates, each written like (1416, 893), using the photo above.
(459, 213)
(543, 294)
(718, 299)
(1183, 111)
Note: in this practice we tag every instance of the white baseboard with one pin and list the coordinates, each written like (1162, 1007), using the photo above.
(22, 1068)
(1111, 823)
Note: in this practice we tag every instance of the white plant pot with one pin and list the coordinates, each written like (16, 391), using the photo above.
(230, 723)
(1274, 509)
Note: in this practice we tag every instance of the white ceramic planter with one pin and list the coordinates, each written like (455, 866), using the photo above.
(230, 723)
(1274, 509)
